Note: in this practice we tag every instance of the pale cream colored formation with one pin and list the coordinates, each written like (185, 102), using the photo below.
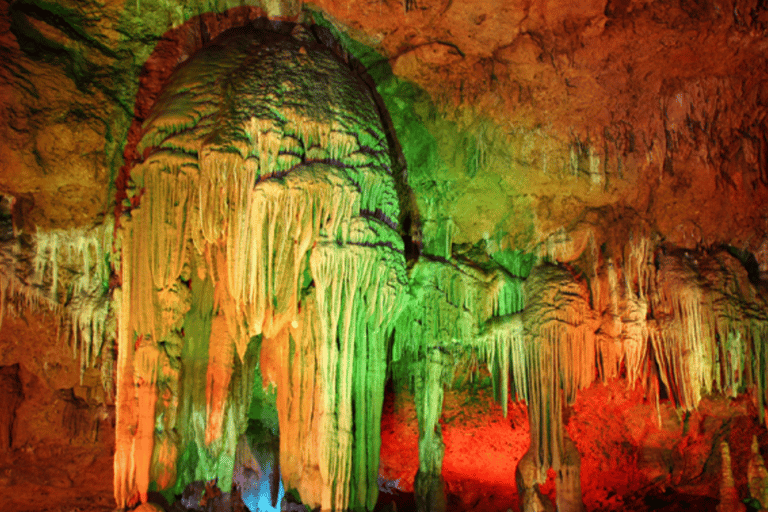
(289, 187)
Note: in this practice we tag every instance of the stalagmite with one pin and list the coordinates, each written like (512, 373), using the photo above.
(429, 485)
(568, 480)
(729, 495)
(528, 477)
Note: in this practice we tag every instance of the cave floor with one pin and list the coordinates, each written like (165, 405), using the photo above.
(482, 451)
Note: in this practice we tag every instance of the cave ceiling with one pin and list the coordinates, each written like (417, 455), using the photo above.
(533, 117)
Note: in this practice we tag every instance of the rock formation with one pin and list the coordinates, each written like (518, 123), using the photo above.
(233, 231)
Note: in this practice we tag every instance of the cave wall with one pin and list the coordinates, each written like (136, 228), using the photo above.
(572, 134)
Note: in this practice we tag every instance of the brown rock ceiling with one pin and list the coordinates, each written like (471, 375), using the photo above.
(669, 96)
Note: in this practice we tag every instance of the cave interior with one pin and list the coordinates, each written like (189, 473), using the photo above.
(383, 255)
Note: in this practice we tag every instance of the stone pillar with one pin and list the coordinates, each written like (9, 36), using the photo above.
(429, 486)
(729, 495)
(568, 482)
(528, 477)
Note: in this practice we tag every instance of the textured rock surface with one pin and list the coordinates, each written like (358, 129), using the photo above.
(621, 141)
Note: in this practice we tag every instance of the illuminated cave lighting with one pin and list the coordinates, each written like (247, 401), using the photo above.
(257, 496)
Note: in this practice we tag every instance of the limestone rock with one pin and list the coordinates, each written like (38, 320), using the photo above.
(729, 495)
(148, 507)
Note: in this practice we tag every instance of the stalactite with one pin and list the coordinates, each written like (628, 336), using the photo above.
(443, 312)
(73, 268)
(708, 326)
(449, 301)
(504, 350)
(153, 305)
(225, 336)
(194, 462)
(355, 294)
(125, 406)
(634, 339)
(67, 273)
(158, 232)
(447, 304)
(680, 344)
(694, 315)
(639, 268)
(610, 349)
(561, 348)
(20, 286)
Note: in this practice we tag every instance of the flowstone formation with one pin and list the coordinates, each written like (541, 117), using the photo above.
(262, 213)
(592, 237)
(680, 324)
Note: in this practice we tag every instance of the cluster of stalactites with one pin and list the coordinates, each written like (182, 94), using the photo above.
(710, 329)
(267, 231)
(67, 273)
(290, 186)
(330, 398)
(358, 292)
(450, 308)
(79, 249)
(64, 266)
(20, 287)
(265, 235)
(447, 305)
(536, 334)
(559, 350)
(688, 320)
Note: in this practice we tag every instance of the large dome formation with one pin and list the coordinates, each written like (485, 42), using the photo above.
(425, 255)
(265, 181)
